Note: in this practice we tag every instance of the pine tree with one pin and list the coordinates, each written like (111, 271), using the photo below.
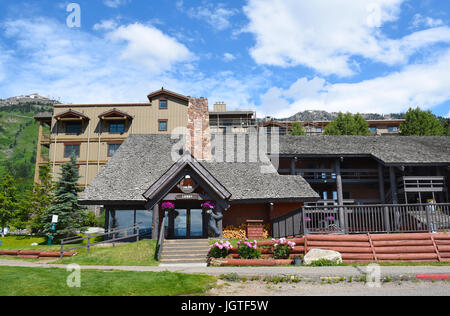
(421, 123)
(348, 124)
(71, 215)
(40, 199)
(8, 202)
(297, 129)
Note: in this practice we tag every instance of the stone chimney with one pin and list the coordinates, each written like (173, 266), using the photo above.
(198, 138)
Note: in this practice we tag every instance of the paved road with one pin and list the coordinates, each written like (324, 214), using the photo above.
(394, 272)
(258, 288)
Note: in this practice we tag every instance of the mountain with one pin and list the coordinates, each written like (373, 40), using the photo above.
(31, 99)
(317, 115)
(18, 136)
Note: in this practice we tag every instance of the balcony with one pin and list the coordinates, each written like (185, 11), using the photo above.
(45, 140)
(348, 175)
(363, 219)
(422, 184)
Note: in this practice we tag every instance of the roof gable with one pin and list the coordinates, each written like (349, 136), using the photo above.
(163, 91)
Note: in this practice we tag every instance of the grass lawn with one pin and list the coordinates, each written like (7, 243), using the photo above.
(24, 243)
(140, 253)
(52, 282)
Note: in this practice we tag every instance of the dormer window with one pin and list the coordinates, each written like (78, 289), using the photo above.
(73, 127)
(117, 127)
(163, 104)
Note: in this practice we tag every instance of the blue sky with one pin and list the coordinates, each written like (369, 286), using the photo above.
(277, 57)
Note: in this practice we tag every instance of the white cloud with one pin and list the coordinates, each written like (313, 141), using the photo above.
(105, 25)
(424, 85)
(115, 3)
(228, 57)
(149, 46)
(78, 67)
(216, 15)
(326, 34)
(420, 20)
(117, 66)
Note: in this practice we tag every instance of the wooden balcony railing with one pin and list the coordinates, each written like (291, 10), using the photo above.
(361, 219)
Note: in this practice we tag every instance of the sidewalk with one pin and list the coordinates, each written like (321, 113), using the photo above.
(313, 273)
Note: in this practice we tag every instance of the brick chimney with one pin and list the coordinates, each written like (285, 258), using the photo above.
(198, 138)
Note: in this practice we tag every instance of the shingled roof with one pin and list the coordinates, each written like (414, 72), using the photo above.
(390, 150)
(142, 159)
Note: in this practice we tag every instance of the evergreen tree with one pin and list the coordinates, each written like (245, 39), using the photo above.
(421, 123)
(348, 124)
(297, 129)
(40, 199)
(8, 202)
(71, 215)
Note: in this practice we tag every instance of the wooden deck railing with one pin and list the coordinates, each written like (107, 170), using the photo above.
(362, 219)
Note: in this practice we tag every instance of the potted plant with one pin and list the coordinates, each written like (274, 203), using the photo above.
(297, 260)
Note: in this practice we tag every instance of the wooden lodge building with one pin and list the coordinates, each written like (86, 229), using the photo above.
(284, 176)
(132, 159)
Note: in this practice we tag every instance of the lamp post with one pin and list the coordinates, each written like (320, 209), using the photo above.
(52, 229)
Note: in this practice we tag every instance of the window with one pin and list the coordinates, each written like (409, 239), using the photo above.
(117, 127)
(112, 148)
(162, 125)
(73, 128)
(373, 130)
(70, 149)
(163, 104)
(392, 129)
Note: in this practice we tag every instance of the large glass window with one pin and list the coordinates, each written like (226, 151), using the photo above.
(117, 127)
(119, 219)
(73, 127)
(70, 149)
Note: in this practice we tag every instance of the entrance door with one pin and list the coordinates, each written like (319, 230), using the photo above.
(187, 224)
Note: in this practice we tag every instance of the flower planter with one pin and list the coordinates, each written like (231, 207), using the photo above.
(250, 262)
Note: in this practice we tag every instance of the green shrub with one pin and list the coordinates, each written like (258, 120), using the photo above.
(219, 249)
(248, 250)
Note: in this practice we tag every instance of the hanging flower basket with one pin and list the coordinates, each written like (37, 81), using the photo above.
(167, 206)
(170, 208)
(208, 206)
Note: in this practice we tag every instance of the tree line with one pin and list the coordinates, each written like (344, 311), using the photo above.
(33, 210)
(417, 123)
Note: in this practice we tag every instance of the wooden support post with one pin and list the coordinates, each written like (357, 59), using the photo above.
(293, 166)
(381, 184)
(38, 154)
(340, 196)
(393, 182)
(219, 211)
(155, 222)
